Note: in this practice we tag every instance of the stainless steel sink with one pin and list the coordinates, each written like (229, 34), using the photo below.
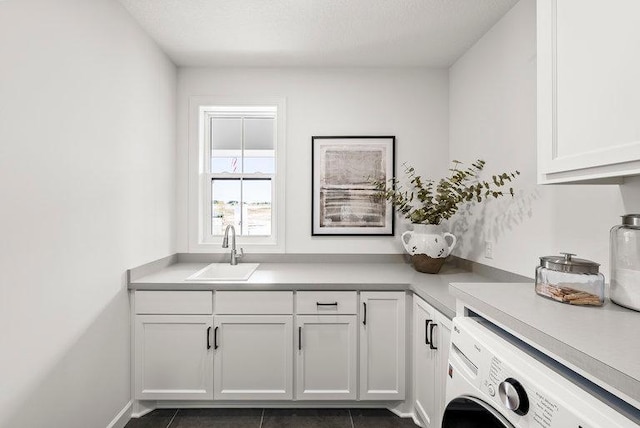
(225, 272)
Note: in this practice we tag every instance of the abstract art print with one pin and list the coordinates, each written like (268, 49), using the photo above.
(344, 200)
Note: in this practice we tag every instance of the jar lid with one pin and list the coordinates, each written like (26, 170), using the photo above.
(567, 263)
(631, 220)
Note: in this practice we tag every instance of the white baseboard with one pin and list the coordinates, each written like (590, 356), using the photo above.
(122, 417)
(401, 414)
(142, 407)
(186, 404)
(416, 420)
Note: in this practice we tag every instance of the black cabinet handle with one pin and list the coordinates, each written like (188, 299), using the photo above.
(364, 319)
(215, 338)
(299, 338)
(327, 304)
(426, 332)
(208, 336)
(431, 345)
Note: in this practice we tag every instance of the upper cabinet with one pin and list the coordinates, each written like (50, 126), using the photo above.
(588, 90)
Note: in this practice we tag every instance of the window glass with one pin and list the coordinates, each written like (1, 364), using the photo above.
(226, 144)
(243, 203)
(259, 153)
(264, 165)
(225, 204)
(256, 211)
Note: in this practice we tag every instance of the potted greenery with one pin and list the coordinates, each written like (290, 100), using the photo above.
(426, 203)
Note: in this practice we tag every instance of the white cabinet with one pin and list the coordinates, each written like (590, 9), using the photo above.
(424, 363)
(326, 357)
(346, 346)
(173, 357)
(382, 345)
(431, 339)
(253, 345)
(327, 345)
(588, 90)
(253, 357)
(442, 338)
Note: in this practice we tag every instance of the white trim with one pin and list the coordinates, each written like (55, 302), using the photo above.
(142, 407)
(196, 166)
(122, 417)
(401, 414)
(275, 404)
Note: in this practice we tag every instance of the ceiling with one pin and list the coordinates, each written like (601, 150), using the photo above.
(316, 33)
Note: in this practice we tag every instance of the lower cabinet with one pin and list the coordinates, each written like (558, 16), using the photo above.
(345, 345)
(382, 345)
(326, 357)
(431, 339)
(252, 357)
(173, 357)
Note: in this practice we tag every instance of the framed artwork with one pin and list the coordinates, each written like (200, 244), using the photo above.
(344, 202)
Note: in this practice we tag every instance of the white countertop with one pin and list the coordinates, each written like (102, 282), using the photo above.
(269, 274)
(601, 343)
(325, 276)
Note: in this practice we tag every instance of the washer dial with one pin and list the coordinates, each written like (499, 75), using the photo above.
(513, 396)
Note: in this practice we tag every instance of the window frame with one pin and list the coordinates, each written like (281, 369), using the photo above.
(201, 112)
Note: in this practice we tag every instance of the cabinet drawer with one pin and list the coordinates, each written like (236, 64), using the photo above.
(327, 302)
(254, 302)
(174, 302)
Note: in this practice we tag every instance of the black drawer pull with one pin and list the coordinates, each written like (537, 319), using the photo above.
(215, 338)
(431, 345)
(299, 338)
(327, 304)
(208, 336)
(426, 332)
(364, 319)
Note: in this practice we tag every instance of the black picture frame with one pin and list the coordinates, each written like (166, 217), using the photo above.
(344, 202)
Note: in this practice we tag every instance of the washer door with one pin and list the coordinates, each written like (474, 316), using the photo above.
(469, 412)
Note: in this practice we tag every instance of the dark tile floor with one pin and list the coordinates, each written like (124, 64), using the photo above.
(270, 418)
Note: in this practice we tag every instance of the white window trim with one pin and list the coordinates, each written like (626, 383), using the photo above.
(198, 174)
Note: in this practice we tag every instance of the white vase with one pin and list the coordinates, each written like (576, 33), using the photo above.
(428, 239)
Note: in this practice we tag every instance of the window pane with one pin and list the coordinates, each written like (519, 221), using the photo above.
(259, 153)
(256, 207)
(226, 164)
(265, 165)
(225, 205)
(226, 144)
(258, 133)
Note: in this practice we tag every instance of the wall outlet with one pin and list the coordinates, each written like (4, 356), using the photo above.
(488, 249)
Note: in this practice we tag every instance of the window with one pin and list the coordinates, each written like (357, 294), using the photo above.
(239, 158)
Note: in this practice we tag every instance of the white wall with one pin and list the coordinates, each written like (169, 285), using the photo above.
(493, 116)
(411, 104)
(87, 186)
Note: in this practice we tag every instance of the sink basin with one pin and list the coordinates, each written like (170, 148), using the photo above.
(225, 272)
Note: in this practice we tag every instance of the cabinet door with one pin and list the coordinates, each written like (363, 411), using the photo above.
(173, 357)
(382, 345)
(442, 339)
(326, 357)
(424, 362)
(253, 357)
(588, 89)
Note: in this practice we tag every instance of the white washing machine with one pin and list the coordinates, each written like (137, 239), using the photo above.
(493, 383)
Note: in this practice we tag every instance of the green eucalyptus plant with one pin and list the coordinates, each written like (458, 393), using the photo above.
(430, 202)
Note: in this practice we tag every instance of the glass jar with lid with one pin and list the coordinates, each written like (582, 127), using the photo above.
(570, 280)
(625, 262)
